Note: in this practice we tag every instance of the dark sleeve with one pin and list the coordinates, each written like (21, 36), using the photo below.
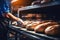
(6, 6)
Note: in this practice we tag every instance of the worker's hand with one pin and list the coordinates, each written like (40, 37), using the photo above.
(21, 22)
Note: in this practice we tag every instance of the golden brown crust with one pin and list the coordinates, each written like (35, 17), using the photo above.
(52, 30)
(43, 26)
(32, 25)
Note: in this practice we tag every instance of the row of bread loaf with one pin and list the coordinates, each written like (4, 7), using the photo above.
(48, 27)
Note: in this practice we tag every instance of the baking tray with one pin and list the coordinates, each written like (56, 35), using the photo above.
(32, 34)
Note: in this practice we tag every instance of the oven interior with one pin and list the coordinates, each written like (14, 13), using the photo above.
(46, 13)
(40, 14)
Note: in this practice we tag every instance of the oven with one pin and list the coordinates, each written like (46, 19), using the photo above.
(37, 13)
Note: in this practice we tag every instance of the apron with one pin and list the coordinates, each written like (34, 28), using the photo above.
(3, 28)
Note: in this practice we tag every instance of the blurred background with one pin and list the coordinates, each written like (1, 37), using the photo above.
(21, 3)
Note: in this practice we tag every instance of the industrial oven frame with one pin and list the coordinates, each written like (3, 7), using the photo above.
(35, 8)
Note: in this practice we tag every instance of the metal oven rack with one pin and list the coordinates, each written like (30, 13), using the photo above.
(32, 34)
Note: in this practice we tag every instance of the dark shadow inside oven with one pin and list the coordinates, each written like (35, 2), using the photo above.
(46, 13)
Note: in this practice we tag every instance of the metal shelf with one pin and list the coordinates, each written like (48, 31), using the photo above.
(39, 6)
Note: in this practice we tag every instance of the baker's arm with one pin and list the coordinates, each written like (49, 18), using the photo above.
(11, 16)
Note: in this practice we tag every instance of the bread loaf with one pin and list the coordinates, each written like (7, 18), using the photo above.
(32, 25)
(43, 26)
(52, 30)
(27, 23)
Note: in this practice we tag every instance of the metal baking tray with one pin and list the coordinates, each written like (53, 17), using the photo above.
(32, 34)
